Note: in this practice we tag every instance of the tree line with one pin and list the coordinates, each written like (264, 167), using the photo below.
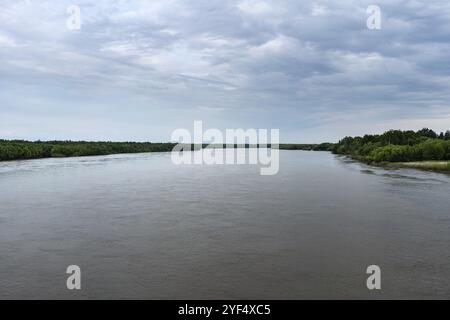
(326, 146)
(397, 146)
(391, 146)
(21, 149)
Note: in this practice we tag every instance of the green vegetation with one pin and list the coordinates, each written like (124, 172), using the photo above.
(308, 147)
(399, 147)
(421, 149)
(20, 149)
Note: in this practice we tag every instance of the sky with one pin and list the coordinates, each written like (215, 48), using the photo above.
(137, 70)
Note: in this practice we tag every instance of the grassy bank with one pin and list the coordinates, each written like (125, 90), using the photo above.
(424, 165)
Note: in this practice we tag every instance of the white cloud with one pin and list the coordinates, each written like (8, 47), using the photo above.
(281, 44)
(288, 63)
(318, 10)
(7, 42)
(254, 7)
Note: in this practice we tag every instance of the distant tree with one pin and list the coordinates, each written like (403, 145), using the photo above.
(447, 135)
(396, 145)
(425, 132)
(19, 149)
(433, 150)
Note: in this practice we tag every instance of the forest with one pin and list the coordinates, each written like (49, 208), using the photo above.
(397, 146)
(20, 149)
(307, 147)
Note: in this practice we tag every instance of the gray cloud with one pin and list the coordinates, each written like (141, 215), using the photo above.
(137, 70)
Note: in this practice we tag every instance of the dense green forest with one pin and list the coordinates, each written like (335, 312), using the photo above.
(397, 146)
(20, 149)
(308, 147)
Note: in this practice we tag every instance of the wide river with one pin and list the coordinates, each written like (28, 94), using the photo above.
(139, 226)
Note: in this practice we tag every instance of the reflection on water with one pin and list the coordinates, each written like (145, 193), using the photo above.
(141, 227)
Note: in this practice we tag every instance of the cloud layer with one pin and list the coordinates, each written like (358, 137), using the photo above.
(137, 70)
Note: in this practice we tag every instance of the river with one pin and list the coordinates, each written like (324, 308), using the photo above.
(141, 227)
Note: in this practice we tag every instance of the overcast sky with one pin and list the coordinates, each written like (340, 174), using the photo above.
(137, 70)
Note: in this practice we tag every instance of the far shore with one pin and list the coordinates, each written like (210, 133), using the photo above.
(26, 150)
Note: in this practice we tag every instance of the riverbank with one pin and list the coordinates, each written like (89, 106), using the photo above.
(27, 150)
(423, 149)
(427, 165)
(423, 165)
